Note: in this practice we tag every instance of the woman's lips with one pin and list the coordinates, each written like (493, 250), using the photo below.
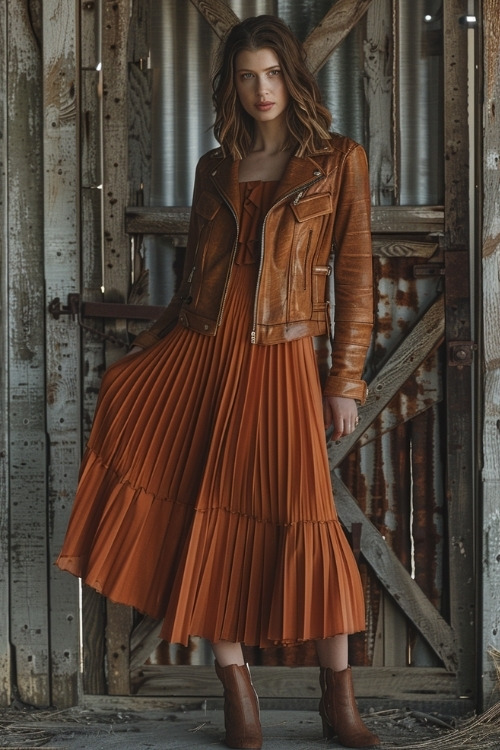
(264, 106)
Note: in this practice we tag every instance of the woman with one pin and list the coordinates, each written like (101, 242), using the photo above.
(205, 496)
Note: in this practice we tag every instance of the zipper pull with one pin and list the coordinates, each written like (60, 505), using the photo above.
(252, 337)
(299, 196)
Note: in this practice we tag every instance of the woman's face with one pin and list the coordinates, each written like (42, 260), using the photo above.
(260, 85)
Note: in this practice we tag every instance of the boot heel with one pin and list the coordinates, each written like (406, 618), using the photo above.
(340, 713)
(328, 732)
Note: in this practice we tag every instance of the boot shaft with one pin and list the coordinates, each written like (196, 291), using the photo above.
(241, 708)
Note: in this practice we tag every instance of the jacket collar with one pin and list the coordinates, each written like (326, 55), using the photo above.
(299, 173)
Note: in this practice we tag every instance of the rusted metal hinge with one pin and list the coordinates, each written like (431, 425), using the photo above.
(460, 353)
(79, 310)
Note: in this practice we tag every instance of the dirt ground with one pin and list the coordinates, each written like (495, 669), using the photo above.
(93, 729)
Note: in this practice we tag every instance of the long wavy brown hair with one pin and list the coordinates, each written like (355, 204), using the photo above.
(307, 119)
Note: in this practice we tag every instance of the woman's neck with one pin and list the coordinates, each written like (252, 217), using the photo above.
(263, 165)
(269, 155)
(270, 138)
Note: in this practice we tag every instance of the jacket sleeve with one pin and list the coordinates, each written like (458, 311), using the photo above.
(353, 281)
(169, 317)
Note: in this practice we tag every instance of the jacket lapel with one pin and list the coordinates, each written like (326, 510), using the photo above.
(225, 177)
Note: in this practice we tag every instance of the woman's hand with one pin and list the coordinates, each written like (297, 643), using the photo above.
(341, 413)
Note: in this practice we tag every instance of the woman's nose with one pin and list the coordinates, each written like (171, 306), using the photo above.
(262, 85)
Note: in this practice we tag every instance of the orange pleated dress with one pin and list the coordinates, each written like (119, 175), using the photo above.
(205, 496)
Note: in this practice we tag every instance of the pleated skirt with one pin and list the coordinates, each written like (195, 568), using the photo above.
(205, 496)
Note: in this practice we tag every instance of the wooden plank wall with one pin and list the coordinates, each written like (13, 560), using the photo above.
(39, 446)
(491, 370)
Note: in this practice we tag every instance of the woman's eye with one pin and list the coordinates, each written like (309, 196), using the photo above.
(275, 72)
(246, 76)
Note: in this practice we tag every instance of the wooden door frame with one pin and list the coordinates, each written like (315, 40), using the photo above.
(451, 642)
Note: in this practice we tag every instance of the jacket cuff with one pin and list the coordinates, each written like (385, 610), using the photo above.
(337, 386)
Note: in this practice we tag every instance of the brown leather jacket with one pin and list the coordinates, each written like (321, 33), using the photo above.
(316, 232)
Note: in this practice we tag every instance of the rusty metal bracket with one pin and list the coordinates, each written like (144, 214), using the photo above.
(460, 353)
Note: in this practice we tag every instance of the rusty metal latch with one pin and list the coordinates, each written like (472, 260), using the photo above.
(72, 308)
(460, 353)
(79, 310)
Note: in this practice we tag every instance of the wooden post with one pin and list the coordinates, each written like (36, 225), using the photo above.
(116, 250)
(460, 432)
(491, 369)
(61, 90)
(93, 604)
(5, 662)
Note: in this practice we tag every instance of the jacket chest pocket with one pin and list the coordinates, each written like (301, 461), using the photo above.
(312, 214)
(308, 271)
(312, 206)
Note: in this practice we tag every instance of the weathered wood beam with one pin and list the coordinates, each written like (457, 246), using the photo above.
(320, 43)
(145, 638)
(169, 220)
(396, 579)
(428, 395)
(118, 628)
(390, 247)
(408, 220)
(386, 220)
(421, 340)
(332, 30)
(294, 682)
(217, 14)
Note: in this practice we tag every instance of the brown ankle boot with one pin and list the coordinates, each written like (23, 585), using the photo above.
(241, 708)
(339, 711)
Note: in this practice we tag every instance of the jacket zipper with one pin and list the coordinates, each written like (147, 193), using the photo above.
(302, 190)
